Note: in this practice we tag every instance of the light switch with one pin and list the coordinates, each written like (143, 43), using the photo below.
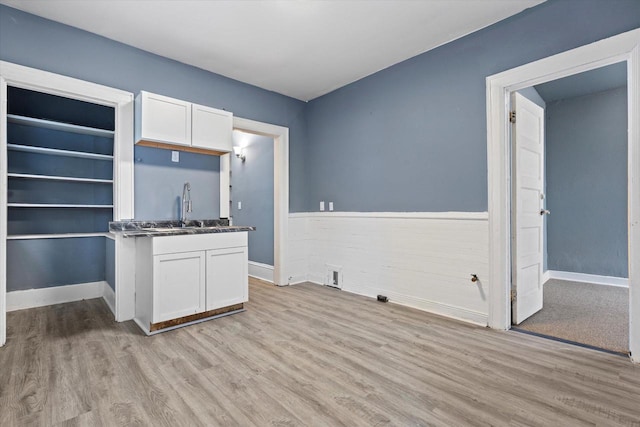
(175, 156)
(330, 206)
(322, 206)
(239, 206)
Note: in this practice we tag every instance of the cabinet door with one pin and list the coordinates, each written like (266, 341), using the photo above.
(178, 285)
(227, 277)
(211, 128)
(165, 119)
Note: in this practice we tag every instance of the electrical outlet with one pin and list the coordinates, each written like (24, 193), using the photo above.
(330, 206)
(239, 206)
(175, 156)
(322, 206)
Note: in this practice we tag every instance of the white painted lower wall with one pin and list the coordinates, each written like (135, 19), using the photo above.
(261, 271)
(31, 298)
(422, 260)
(586, 278)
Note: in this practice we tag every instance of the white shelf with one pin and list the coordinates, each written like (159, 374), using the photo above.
(59, 178)
(55, 205)
(56, 236)
(65, 127)
(57, 152)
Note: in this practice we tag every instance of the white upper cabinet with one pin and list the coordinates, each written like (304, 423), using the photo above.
(211, 128)
(163, 120)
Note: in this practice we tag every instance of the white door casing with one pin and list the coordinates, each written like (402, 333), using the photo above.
(122, 101)
(622, 47)
(527, 139)
(280, 137)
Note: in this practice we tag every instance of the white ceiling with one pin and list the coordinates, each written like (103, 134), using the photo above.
(303, 49)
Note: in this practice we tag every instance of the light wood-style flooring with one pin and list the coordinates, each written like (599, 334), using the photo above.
(302, 355)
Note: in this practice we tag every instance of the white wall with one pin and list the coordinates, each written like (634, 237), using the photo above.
(422, 260)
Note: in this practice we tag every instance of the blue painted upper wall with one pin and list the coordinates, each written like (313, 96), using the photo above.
(252, 184)
(413, 137)
(32, 41)
(409, 138)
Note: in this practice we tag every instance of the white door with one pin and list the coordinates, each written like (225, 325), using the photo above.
(211, 128)
(227, 277)
(528, 208)
(178, 285)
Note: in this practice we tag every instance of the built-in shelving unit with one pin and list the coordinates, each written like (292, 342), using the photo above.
(60, 167)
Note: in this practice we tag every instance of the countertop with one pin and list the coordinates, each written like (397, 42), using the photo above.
(174, 228)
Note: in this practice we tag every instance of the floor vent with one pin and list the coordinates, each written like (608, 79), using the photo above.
(333, 278)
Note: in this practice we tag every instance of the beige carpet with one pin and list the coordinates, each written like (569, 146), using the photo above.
(594, 315)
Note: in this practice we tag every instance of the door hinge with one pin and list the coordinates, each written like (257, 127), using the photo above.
(514, 294)
(512, 116)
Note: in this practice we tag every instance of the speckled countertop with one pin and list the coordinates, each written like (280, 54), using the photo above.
(174, 228)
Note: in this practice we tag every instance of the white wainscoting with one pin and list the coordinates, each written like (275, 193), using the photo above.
(261, 271)
(587, 278)
(30, 298)
(423, 260)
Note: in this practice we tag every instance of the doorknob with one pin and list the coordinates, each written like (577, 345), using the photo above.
(544, 212)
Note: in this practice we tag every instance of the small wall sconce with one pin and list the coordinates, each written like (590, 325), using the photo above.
(239, 152)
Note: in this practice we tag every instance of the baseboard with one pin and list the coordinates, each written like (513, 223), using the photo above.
(109, 297)
(296, 279)
(589, 278)
(261, 271)
(546, 276)
(440, 309)
(31, 298)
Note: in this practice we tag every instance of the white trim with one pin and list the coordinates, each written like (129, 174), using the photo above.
(225, 195)
(280, 137)
(298, 279)
(109, 297)
(546, 275)
(56, 84)
(261, 271)
(433, 307)
(31, 298)
(623, 47)
(482, 216)
(595, 279)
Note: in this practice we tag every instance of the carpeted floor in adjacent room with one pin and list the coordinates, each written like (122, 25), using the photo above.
(595, 315)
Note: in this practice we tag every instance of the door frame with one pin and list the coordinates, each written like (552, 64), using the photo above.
(280, 135)
(619, 48)
(122, 102)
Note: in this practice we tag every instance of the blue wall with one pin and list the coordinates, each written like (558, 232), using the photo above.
(252, 184)
(413, 137)
(586, 160)
(110, 262)
(46, 263)
(159, 182)
(29, 40)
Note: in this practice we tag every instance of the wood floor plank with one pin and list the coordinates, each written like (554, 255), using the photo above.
(302, 355)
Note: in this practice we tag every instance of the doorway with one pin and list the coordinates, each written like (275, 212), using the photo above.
(578, 292)
(251, 198)
(280, 136)
(621, 48)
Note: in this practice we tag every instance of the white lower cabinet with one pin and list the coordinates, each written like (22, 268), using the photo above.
(180, 276)
(179, 285)
(224, 267)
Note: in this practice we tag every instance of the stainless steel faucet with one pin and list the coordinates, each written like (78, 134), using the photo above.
(186, 203)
